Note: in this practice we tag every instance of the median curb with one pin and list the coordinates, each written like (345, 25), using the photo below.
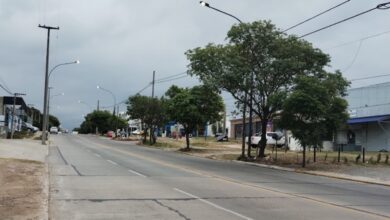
(320, 173)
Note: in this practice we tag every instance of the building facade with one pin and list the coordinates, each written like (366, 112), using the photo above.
(369, 123)
(6, 112)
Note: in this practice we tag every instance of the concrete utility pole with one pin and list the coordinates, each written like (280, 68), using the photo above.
(153, 82)
(98, 105)
(13, 115)
(45, 118)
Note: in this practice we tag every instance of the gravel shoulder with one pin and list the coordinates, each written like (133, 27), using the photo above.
(23, 180)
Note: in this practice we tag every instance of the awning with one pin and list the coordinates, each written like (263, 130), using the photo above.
(368, 119)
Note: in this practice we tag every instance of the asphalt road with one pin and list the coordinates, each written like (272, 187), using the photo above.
(96, 178)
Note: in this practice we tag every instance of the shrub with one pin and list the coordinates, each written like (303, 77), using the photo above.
(387, 159)
(378, 158)
(357, 159)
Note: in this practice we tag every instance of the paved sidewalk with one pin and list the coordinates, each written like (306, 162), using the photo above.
(25, 149)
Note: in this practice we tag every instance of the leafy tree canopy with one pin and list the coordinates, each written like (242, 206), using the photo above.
(258, 60)
(194, 107)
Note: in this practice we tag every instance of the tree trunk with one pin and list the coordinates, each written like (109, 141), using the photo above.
(187, 140)
(263, 140)
(304, 156)
(145, 134)
(151, 135)
(243, 131)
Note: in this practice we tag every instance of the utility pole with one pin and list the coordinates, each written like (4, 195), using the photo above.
(44, 125)
(98, 105)
(154, 75)
(13, 114)
(48, 109)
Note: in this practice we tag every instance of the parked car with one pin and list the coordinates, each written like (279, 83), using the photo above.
(137, 132)
(273, 138)
(110, 134)
(53, 130)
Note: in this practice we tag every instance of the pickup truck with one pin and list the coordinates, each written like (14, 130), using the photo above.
(255, 139)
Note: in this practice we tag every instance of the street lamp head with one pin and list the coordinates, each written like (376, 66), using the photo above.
(63, 93)
(98, 87)
(77, 61)
(204, 4)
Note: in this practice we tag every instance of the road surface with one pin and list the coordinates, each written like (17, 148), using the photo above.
(96, 178)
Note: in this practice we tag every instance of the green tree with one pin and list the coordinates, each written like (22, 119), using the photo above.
(258, 60)
(194, 107)
(150, 111)
(315, 109)
(53, 121)
(102, 121)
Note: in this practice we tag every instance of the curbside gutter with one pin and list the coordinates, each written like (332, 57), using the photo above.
(359, 179)
(47, 184)
(321, 173)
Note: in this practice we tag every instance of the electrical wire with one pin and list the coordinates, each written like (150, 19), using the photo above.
(370, 77)
(315, 16)
(4, 84)
(382, 6)
(158, 81)
(172, 76)
(361, 39)
(5, 89)
(169, 80)
(354, 57)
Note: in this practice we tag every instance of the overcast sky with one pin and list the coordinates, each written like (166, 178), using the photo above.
(120, 42)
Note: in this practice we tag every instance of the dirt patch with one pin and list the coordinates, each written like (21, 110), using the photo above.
(22, 194)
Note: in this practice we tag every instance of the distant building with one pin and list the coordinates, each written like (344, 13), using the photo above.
(6, 109)
(236, 127)
(369, 123)
(368, 126)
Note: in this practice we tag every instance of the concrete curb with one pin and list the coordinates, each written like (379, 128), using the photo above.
(47, 184)
(316, 173)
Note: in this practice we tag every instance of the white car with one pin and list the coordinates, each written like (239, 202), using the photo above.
(53, 130)
(255, 139)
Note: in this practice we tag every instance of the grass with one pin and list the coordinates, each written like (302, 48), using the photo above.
(231, 150)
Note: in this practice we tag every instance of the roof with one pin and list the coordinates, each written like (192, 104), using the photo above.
(362, 120)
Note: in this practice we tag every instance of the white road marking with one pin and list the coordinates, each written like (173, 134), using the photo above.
(213, 204)
(98, 155)
(136, 173)
(110, 161)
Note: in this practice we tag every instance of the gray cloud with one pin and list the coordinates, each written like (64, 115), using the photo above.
(120, 43)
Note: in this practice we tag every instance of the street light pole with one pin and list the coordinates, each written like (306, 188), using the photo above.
(48, 105)
(47, 96)
(112, 94)
(13, 114)
(205, 4)
(44, 125)
(89, 106)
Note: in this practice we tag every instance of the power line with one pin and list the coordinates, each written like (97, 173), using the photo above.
(382, 6)
(361, 39)
(370, 77)
(161, 80)
(5, 89)
(172, 76)
(4, 84)
(354, 57)
(315, 16)
(173, 79)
